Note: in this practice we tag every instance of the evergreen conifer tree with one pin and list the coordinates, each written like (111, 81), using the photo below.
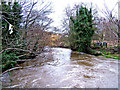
(82, 29)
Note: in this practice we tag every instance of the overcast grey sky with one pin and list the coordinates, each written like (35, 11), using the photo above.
(59, 6)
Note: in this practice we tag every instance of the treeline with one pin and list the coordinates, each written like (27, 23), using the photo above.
(24, 26)
(23, 30)
(83, 24)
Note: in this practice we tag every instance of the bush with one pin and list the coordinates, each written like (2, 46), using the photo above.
(8, 60)
(96, 45)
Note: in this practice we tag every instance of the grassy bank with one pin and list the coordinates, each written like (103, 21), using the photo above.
(109, 52)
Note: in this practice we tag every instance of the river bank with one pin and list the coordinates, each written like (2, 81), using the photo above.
(109, 52)
(63, 68)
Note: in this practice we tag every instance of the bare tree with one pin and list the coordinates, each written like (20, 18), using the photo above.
(68, 12)
(36, 20)
(36, 12)
(66, 20)
(108, 26)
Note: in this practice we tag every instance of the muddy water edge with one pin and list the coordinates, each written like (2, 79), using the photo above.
(62, 68)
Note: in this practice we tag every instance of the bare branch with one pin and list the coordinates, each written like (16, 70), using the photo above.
(29, 14)
(16, 49)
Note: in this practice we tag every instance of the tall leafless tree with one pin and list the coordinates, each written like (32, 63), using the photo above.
(108, 26)
(36, 12)
(35, 20)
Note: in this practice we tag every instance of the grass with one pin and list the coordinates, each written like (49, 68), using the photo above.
(108, 55)
(107, 52)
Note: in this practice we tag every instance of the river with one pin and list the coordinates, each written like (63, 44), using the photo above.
(63, 68)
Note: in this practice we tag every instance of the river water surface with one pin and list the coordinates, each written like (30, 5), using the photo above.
(63, 68)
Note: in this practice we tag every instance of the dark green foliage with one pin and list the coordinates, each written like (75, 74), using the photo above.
(96, 45)
(82, 29)
(17, 9)
(7, 55)
(11, 15)
(8, 60)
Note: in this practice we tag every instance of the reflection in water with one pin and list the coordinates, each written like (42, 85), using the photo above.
(66, 70)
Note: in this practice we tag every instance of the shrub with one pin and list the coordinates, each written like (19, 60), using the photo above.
(8, 60)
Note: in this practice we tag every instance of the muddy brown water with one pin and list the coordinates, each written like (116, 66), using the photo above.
(63, 68)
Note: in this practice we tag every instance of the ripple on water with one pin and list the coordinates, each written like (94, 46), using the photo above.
(76, 70)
